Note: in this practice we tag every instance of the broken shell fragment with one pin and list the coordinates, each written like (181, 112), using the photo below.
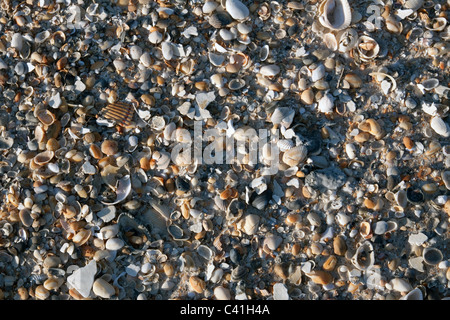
(335, 14)
(364, 257)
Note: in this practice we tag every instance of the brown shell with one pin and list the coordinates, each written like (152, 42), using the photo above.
(121, 112)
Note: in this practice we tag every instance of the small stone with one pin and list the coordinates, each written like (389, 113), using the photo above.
(135, 52)
(417, 239)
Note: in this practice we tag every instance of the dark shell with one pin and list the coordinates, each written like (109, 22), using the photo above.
(127, 223)
(415, 196)
(182, 184)
(235, 256)
(261, 201)
(220, 19)
(238, 273)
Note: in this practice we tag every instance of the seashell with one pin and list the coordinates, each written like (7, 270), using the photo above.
(237, 9)
(264, 53)
(283, 116)
(251, 224)
(347, 39)
(209, 7)
(326, 103)
(272, 242)
(440, 127)
(445, 175)
(122, 191)
(401, 198)
(121, 112)
(335, 14)
(415, 294)
(368, 48)
(41, 36)
(238, 273)
(393, 25)
(430, 84)
(413, 4)
(307, 96)
(220, 19)
(167, 50)
(21, 68)
(330, 41)
(339, 246)
(81, 237)
(222, 293)
(401, 285)
(236, 84)
(364, 257)
(205, 252)
(432, 256)
(350, 149)
(127, 224)
(436, 24)
(43, 157)
(197, 284)
(46, 117)
(270, 70)
(330, 263)
(354, 80)
(365, 230)
(318, 73)
(320, 277)
(176, 232)
(373, 127)
(103, 289)
(415, 196)
(216, 60)
(41, 292)
(285, 145)
(294, 156)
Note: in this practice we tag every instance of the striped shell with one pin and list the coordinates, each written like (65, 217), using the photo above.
(284, 145)
(121, 112)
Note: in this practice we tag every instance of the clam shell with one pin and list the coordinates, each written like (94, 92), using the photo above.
(44, 157)
(326, 103)
(368, 48)
(413, 4)
(176, 232)
(440, 126)
(294, 156)
(41, 36)
(436, 24)
(329, 39)
(128, 224)
(347, 39)
(415, 294)
(401, 199)
(264, 53)
(122, 191)
(335, 14)
(364, 257)
(432, 256)
(205, 252)
(237, 9)
(45, 116)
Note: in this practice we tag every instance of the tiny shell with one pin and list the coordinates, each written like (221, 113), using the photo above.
(237, 9)
(46, 117)
(326, 103)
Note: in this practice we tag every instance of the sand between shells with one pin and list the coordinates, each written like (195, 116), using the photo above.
(95, 96)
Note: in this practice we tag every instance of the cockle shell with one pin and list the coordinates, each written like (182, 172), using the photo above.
(335, 14)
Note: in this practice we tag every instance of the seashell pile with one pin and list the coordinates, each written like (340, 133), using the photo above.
(224, 150)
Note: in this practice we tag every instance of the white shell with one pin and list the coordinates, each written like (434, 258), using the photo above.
(318, 73)
(237, 9)
(413, 4)
(251, 223)
(445, 175)
(347, 39)
(272, 242)
(222, 293)
(401, 199)
(335, 14)
(264, 52)
(350, 149)
(368, 48)
(440, 127)
(366, 251)
(269, 70)
(326, 103)
(330, 41)
(285, 145)
(294, 156)
(401, 285)
(415, 294)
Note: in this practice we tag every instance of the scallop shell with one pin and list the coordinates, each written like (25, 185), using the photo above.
(364, 257)
(121, 112)
(285, 145)
(335, 14)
